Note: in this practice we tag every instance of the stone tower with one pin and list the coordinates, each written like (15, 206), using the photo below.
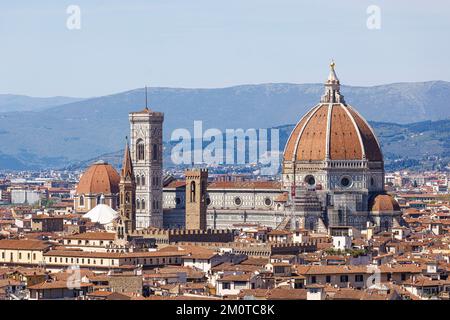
(127, 198)
(146, 154)
(196, 206)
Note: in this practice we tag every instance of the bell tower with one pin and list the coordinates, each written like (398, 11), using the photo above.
(196, 198)
(127, 198)
(146, 149)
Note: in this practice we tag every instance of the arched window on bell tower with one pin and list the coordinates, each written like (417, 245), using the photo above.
(155, 152)
(138, 204)
(140, 149)
(192, 194)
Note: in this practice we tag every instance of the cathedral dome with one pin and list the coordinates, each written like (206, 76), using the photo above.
(99, 178)
(332, 130)
(383, 203)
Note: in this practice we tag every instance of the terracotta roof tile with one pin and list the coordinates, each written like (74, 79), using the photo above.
(56, 285)
(92, 236)
(24, 244)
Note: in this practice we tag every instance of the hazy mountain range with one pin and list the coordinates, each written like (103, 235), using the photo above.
(55, 132)
(12, 102)
(422, 146)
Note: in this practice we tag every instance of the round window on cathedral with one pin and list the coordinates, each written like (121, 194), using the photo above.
(310, 180)
(237, 201)
(346, 182)
(268, 202)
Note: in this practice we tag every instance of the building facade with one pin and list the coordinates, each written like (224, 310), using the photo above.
(228, 204)
(25, 196)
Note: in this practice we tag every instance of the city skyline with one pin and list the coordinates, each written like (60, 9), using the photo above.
(224, 151)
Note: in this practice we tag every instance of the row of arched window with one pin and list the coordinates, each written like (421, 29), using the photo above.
(99, 199)
(140, 204)
(155, 181)
(140, 180)
(140, 150)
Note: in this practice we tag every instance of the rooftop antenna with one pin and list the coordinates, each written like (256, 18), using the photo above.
(146, 98)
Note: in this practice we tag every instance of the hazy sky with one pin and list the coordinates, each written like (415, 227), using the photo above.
(127, 44)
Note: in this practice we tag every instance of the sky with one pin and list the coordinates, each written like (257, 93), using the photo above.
(123, 45)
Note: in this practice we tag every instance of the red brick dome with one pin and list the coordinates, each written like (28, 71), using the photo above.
(99, 178)
(383, 203)
(333, 131)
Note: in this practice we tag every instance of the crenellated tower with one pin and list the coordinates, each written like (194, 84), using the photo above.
(196, 199)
